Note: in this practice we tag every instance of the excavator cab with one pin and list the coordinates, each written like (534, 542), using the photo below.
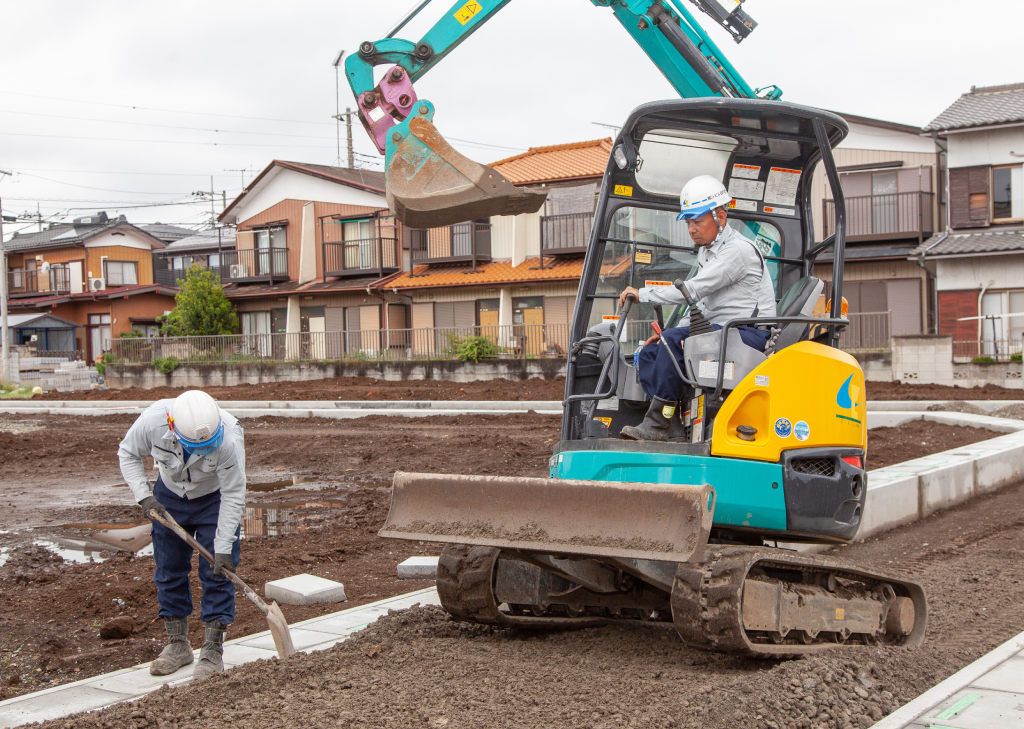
(774, 450)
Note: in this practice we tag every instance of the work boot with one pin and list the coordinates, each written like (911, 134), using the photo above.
(211, 657)
(661, 423)
(177, 652)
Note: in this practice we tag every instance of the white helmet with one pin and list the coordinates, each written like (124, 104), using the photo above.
(700, 195)
(194, 418)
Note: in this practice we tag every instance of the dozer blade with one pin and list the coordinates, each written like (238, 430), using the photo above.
(666, 522)
(430, 185)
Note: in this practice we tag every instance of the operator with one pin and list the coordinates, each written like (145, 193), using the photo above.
(199, 452)
(731, 282)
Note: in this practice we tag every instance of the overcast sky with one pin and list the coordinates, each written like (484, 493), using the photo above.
(112, 105)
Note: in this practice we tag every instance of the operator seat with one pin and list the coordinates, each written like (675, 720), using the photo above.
(799, 300)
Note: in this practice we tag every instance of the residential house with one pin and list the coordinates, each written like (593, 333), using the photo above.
(979, 260)
(203, 249)
(96, 272)
(312, 242)
(166, 232)
(889, 174)
(511, 271)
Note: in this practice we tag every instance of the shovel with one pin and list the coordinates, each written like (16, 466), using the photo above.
(275, 618)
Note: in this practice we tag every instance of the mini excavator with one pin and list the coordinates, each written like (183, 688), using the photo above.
(775, 444)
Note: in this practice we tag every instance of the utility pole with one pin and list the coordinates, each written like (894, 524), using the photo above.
(5, 367)
(250, 170)
(338, 116)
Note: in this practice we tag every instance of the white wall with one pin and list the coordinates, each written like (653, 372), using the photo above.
(125, 238)
(864, 137)
(998, 272)
(284, 184)
(991, 147)
(503, 235)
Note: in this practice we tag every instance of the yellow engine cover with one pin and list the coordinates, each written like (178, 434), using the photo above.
(806, 396)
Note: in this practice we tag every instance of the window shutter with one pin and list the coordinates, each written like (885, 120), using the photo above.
(968, 197)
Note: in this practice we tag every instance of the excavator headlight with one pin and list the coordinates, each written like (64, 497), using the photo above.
(619, 155)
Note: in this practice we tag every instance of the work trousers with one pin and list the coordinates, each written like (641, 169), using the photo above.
(658, 376)
(174, 558)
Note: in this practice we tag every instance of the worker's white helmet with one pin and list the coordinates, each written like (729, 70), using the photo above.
(701, 195)
(194, 418)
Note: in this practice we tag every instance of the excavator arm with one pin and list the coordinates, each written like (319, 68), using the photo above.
(429, 183)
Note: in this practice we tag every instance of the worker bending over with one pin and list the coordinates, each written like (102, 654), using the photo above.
(732, 282)
(199, 451)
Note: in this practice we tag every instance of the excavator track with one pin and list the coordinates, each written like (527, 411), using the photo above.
(754, 601)
(770, 602)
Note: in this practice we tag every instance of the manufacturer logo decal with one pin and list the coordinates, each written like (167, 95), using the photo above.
(802, 430)
(846, 399)
(783, 428)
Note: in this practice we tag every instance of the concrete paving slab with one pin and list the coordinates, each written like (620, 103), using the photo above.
(304, 589)
(302, 638)
(139, 681)
(57, 704)
(1007, 677)
(418, 568)
(975, 708)
(237, 654)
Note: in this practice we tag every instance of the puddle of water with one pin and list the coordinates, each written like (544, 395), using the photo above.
(73, 550)
(277, 485)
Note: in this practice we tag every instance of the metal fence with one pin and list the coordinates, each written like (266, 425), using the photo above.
(867, 331)
(514, 341)
(904, 214)
(988, 350)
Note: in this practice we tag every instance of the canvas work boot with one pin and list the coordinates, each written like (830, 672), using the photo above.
(661, 423)
(211, 657)
(177, 653)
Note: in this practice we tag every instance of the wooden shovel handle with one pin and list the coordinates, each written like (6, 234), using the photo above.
(175, 527)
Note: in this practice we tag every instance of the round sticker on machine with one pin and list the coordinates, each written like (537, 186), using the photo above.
(802, 430)
(783, 428)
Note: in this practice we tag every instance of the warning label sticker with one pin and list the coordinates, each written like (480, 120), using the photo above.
(779, 211)
(652, 284)
(749, 205)
(750, 189)
(746, 172)
(708, 369)
(782, 185)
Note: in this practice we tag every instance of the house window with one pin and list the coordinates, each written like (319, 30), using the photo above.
(1001, 327)
(358, 237)
(1007, 194)
(256, 322)
(99, 334)
(122, 273)
(17, 278)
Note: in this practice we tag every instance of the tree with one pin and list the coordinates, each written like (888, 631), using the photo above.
(201, 307)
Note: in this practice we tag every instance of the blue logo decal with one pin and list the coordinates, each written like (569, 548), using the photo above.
(802, 430)
(783, 428)
(843, 398)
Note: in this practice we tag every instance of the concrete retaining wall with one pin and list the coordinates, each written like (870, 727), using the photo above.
(218, 375)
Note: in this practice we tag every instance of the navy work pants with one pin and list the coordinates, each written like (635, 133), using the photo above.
(174, 558)
(658, 376)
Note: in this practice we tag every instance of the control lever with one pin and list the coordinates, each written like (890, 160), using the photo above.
(698, 324)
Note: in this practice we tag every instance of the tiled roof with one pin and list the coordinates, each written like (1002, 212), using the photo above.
(167, 232)
(982, 106)
(204, 239)
(981, 241)
(318, 286)
(489, 274)
(368, 179)
(59, 235)
(559, 162)
(120, 292)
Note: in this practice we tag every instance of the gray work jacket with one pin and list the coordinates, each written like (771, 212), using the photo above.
(732, 279)
(222, 470)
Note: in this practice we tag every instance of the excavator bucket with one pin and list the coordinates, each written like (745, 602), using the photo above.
(431, 185)
(665, 522)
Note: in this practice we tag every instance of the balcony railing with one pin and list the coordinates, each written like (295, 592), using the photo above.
(867, 331)
(988, 350)
(461, 243)
(33, 283)
(884, 217)
(170, 276)
(565, 234)
(361, 257)
(255, 265)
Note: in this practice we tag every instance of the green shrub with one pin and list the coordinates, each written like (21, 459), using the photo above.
(165, 365)
(474, 349)
(1015, 357)
(983, 359)
(133, 334)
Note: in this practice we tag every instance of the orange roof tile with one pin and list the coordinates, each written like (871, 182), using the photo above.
(489, 274)
(558, 162)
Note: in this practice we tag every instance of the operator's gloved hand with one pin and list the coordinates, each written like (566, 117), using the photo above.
(149, 503)
(221, 562)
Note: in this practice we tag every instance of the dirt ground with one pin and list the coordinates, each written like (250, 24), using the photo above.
(366, 388)
(916, 439)
(347, 388)
(417, 668)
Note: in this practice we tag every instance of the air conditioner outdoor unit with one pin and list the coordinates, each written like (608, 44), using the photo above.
(97, 284)
(239, 270)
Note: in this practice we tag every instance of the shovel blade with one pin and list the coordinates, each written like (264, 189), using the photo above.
(279, 631)
(665, 522)
(430, 184)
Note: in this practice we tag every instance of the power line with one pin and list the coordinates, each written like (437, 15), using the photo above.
(101, 189)
(166, 141)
